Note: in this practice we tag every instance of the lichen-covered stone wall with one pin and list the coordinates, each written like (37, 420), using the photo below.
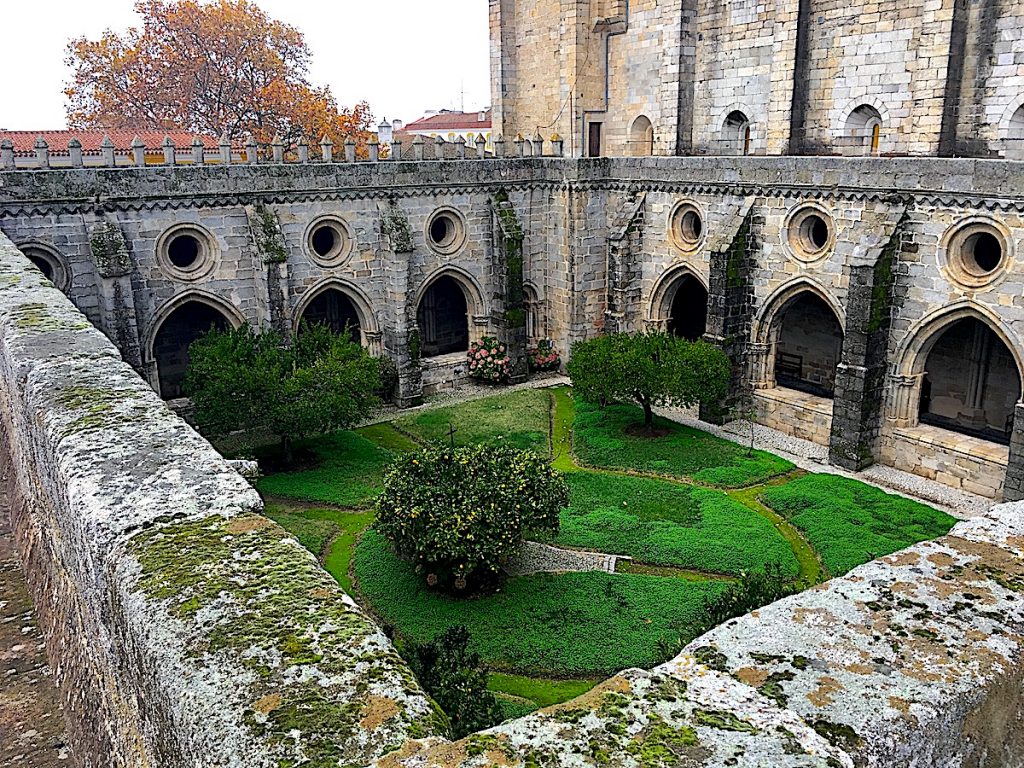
(184, 629)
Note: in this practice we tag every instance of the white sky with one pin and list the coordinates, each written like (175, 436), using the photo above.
(403, 56)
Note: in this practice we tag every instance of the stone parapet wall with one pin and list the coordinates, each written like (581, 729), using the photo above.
(184, 628)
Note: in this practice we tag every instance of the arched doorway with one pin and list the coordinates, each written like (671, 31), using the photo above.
(641, 137)
(736, 134)
(688, 308)
(179, 329)
(809, 342)
(971, 383)
(333, 308)
(443, 318)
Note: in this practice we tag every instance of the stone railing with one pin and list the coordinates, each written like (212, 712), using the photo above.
(185, 629)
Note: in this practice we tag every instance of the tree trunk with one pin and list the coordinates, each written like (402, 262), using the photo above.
(648, 413)
(286, 449)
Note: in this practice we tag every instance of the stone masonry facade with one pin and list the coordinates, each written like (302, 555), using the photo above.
(939, 77)
(599, 245)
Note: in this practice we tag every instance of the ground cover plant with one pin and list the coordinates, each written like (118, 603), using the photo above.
(703, 553)
(601, 439)
(665, 523)
(345, 469)
(850, 523)
(565, 625)
(517, 420)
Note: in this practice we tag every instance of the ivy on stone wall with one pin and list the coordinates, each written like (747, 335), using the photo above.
(512, 240)
(109, 250)
(396, 229)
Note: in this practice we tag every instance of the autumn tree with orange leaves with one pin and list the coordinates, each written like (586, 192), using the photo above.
(219, 68)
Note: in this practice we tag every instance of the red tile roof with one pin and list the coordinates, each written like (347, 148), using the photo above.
(452, 121)
(24, 141)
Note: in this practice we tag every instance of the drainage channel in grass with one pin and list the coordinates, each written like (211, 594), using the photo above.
(686, 574)
(538, 692)
(811, 570)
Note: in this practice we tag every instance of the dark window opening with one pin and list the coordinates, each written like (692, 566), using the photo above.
(986, 250)
(594, 139)
(689, 314)
(44, 266)
(183, 251)
(324, 241)
(810, 342)
(971, 383)
(170, 347)
(335, 310)
(441, 229)
(443, 319)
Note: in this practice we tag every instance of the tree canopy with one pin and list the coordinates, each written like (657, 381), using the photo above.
(649, 368)
(241, 379)
(221, 67)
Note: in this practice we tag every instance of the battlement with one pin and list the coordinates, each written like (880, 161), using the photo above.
(139, 155)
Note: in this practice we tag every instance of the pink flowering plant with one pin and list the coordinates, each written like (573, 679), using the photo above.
(543, 357)
(489, 360)
(456, 514)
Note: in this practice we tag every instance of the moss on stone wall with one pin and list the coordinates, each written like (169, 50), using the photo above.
(330, 689)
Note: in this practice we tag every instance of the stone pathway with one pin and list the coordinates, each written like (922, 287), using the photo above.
(535, 557)
(31, 725)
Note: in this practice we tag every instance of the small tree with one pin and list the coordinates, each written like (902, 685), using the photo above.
(244, 380)
(649, 368)
(458, 513)
(456, 679)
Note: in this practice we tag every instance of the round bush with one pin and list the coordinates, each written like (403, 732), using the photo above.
(458, 513)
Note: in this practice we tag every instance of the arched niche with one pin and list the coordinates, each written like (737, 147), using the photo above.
(339, 305)
(641, 137)
(679, 304)
(443, 311)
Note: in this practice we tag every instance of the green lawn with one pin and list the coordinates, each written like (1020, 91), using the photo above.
(547, 638)
(569, 625)
(517, 419)
(348, 472)
(665, 523)
(851, 523)
(600, 440)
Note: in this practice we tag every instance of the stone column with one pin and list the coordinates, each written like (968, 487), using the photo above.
(762, 365)
(860, 375)
(401, 340)
(731, 309)
(117, 299)
(904, 399)
(270, 249)
(1013, 489)
(508, 266)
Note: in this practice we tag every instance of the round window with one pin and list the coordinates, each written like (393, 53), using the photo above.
(809, 233)
(329, 241)
(977, 252)
(446, 231)
(49, 263)
(686, 226)
(186, 252)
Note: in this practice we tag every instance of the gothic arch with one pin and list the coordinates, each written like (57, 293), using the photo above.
(665, 290)
(912, 354)
(470, 287)
(163, 382)
(736, 130)
(1011, 129)
(767, 319)
(369, 328)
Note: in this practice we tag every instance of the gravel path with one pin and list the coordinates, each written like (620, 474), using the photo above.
(535, 557)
